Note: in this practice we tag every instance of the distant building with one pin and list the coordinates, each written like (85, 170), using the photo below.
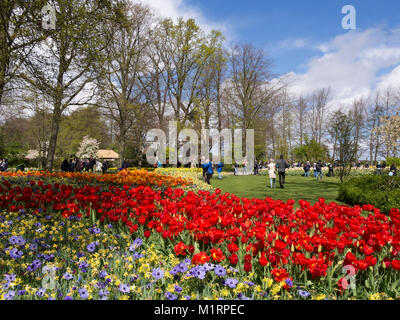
(107, 155)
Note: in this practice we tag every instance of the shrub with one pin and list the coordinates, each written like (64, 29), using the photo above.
(382, 192)
(396, 161)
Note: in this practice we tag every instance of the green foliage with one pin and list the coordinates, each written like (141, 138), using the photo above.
(311, 151)
(82, 122)
(382, 192)
(13, 138)
(390, 160)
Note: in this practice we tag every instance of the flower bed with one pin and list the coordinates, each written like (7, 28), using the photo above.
(98, 262)
(194, 175)
(130, 177)
(271, 250)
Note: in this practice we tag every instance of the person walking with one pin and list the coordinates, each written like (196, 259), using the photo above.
(207, 165)
(393, 169)
(98, 166)
(219, 170)
(282, 165)
(314, 166)
(307, 168)
(272, 173)
(256, 167)
(245, 167)
(318, 170)
(106, 166)
(236, 168)
(379, 168)
(331, 172)
(203, 165)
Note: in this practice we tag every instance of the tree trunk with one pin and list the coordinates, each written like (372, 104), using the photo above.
(4, 62)
(122, 143)
(2, 85)
(55, 126)
(5, 15)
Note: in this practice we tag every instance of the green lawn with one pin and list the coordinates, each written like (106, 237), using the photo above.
(296, 188)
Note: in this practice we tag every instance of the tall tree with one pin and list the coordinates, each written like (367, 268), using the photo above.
(119, 85)
(375, 112)
(319, 102)
(344, 130)
(184, 50)
(390, 133)
(62, 68)
(249, 73)
(301, 108)
(39, 125)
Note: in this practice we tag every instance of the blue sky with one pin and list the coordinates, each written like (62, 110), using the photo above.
(306, 42)
(269, 23)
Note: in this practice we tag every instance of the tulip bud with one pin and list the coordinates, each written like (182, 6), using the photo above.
(292, 248)
(383, 265)
(319, 248)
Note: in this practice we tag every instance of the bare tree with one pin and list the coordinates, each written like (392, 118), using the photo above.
(301, 108)
(343, 129)
(155, 84)
(119, 86)
(375, 111)
(39, 125)
(319, 102)
(249, 74)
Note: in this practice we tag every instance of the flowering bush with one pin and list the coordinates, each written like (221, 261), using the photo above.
(88, 148)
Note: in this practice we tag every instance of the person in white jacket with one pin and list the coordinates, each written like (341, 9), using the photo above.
(98, 166)
(272, 173)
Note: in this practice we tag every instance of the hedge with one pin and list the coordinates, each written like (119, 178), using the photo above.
(383, 192)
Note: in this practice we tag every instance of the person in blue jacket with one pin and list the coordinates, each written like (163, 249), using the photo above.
(219, 169)
(207, 165)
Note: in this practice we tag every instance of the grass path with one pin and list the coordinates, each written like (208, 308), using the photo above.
(296, 188)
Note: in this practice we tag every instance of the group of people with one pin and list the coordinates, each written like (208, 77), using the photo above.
(280, 166)
(84, 165)
(317, 169)
(380, 167)
(247, 169)
(208, 170)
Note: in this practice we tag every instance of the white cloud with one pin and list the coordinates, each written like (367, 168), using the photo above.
(351, 65)
(391, 79)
